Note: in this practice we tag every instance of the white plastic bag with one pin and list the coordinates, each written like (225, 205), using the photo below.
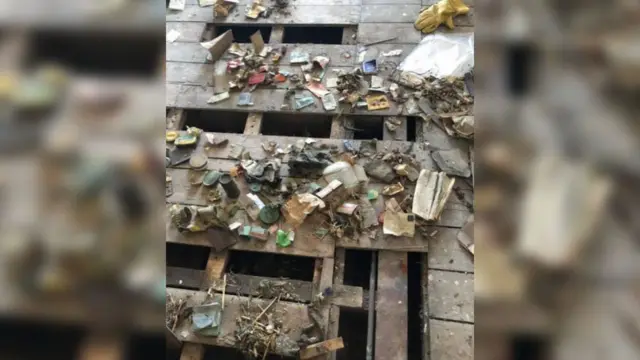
(441, 55)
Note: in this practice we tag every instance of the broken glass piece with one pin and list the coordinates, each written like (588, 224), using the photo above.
(372, 194)
(303, 101)
(244, 99)
(282, 238)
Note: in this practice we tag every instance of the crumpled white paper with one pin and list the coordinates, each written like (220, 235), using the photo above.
(441, 55)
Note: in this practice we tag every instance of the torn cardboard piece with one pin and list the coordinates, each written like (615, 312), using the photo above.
(219, 45)
(397, 222)
(432, 191)
(299, 206)
(257, 41)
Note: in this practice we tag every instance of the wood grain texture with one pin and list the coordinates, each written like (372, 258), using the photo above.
(455, 295)
(254, 124)
(451, 340)
(391, 307)
(395, 13)
(403, 33)
(445, 253)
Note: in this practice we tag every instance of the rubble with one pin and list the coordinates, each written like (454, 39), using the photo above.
(380, 170)
(396, 222)
(454, 162)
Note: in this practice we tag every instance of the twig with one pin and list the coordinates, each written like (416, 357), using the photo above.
(266, 350)
(265, 310)
(380, 41)
(224, 288)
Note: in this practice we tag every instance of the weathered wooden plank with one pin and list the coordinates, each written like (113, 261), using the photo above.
(277, 32)
(350, 35)
(192, 351)
(348, 296)
(396, 13)
(176, 119)
(318, 349)
(424, 316)
(264, 100)
(299, 15)
(216, 264)
(186, 52)
(202, 74)
(293, 316)
(254, 124)
(189, 32)
(184, 277)
(445, 253)
(246, 285)
(391, 307)
(451, 340)
(400, 133)
(340, 55)
(403, 33)
(452, 295)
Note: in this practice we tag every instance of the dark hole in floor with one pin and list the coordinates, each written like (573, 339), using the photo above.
(528, 347)
(414, 305)
(412, 124)
(353, 330)
(521, 59)
(187, 256)
(357, 268)
(142, 346)
(20, 336)
(242, 34)
(312, 35)
(217, 121)
(370, 126)
(225, 353)
(318, 126)
(99, 53)
(271, 265)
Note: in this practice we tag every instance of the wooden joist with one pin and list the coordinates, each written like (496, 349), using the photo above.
(391, 307)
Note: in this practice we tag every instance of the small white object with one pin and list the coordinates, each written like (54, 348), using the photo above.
(204, 3)
(256, 200)
(396, 52)
(218, 97)
(310, 141)
(332, 82)
(177, 5)
(441, 55)
(180, 282)
(235, 225)
(361, 56)
(173, 35)
(377, 82)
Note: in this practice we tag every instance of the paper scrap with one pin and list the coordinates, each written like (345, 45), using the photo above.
(173, 35)
(432, 191)
(257, 41)
(177, 5)
(218, 97)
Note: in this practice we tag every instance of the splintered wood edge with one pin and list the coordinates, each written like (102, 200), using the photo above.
(321, 348)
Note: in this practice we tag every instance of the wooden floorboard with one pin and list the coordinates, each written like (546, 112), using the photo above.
(450, 340)
(299, 15)
(391, 307)
(455, 296)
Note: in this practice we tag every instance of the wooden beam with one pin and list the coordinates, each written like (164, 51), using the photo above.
(254, 124)
(191, 351)
(215, 268)
(321, 348)
(184, 277)
(277, 33)
(176, 119)
(337, 129)
(391, 307)
(350, 35)
(424, 285)
(334, 312)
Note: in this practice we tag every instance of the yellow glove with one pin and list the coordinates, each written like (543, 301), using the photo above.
(441, 13)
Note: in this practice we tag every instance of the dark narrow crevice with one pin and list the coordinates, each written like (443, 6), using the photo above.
(414, 305)
(226, 353)
(187, 256)
(521, 60)
(316, 126)
(371, 127)
(99, 53)
(529, 347)
(271, 265)
(17, 342)
(353, 330)
(357, 268)
(143, 346)
(242, 34)
(312, 35)
(411, 127)
(217, 121)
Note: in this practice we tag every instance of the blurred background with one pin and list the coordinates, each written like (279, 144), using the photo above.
(82, 245)
(557, 166)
